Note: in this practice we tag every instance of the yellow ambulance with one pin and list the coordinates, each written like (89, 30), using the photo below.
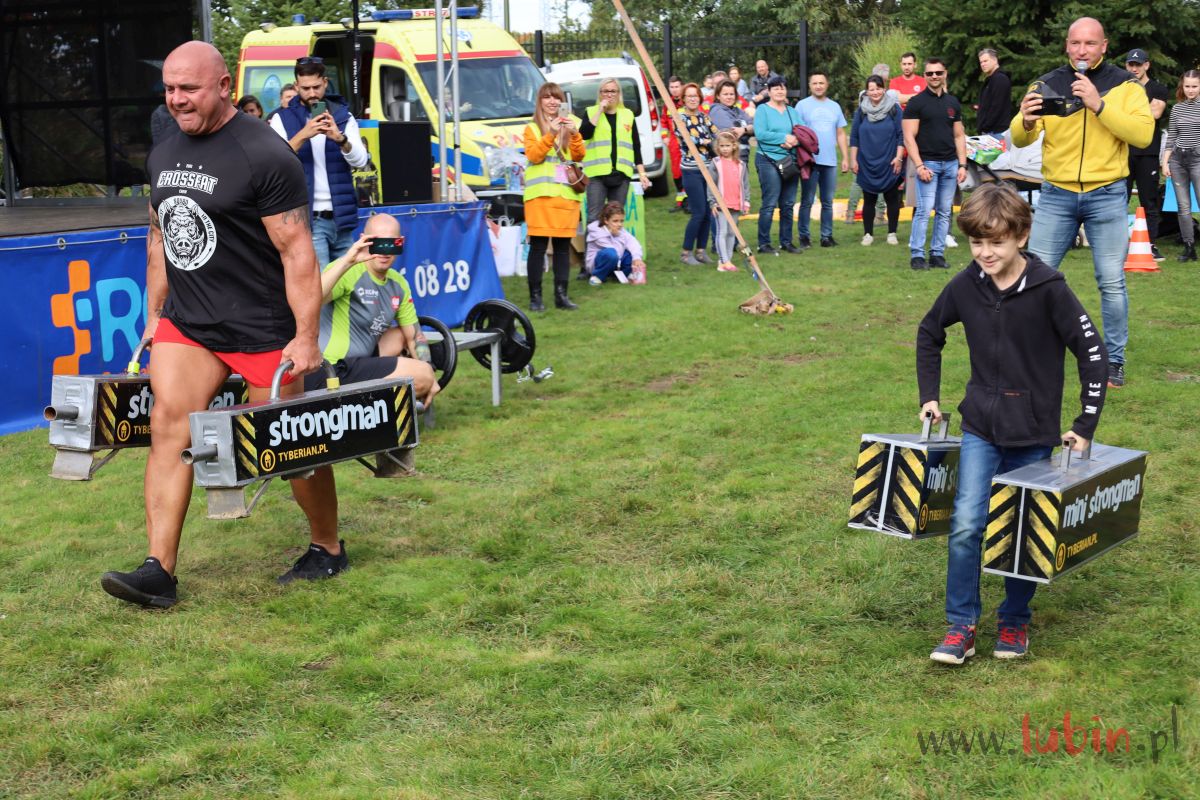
(498, 82)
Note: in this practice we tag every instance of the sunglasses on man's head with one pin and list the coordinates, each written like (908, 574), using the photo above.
(933, 73)
(305, 60)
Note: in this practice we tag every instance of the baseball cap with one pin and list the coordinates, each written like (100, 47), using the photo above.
(1137, 56)
(776, 80)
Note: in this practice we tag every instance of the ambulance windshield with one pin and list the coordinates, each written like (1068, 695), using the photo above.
(489, 88)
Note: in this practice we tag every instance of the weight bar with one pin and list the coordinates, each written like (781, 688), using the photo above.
(289, 438)
(92, 413)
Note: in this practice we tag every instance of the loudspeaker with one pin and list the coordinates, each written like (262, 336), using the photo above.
(405, 162)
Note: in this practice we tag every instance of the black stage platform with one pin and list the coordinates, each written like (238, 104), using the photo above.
(41, 220)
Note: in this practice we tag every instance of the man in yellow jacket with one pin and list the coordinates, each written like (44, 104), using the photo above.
(1091, 112)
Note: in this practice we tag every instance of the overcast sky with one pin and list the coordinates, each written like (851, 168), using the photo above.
(530, 15)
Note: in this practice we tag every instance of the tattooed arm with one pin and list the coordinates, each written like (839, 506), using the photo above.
(156, 276)
(290, 234)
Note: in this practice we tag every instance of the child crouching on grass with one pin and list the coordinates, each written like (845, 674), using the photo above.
(1019, 317)
(612, 249)
(733, 182)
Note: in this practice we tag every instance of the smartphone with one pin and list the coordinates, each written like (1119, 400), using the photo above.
(386, 245)
(318, 108)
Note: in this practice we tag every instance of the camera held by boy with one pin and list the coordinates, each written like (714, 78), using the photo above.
(1020, 318)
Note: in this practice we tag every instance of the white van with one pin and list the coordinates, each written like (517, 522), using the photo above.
(581, 80)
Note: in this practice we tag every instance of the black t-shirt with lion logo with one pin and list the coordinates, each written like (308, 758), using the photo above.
(225, 278)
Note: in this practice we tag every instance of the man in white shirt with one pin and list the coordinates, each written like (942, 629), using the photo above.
(321, 130)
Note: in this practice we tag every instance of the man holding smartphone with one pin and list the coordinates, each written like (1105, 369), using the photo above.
(368, 318)
(319, 127)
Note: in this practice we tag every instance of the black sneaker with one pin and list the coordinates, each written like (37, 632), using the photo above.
(315, 564)
(768, 250)
(918, 262)
(149, 585)
(1157, 255)
(828, 242)
(1116, 375)
(938, 262)
(791, 248)
(804, 243)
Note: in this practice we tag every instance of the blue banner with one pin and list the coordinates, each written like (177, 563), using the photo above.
(447, 259)
(75, 304)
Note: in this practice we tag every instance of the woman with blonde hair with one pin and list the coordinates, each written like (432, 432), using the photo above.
(614, 149)
(551, 204)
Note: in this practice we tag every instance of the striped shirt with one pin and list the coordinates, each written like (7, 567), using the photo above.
(1184, 128)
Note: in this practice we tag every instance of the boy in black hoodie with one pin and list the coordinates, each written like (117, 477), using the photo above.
(1019, 316)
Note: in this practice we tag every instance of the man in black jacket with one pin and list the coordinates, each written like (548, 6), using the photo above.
(995, 101)
(1019, 317)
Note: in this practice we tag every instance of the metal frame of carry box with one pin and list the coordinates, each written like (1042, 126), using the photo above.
(905, 483)
(1049, 518)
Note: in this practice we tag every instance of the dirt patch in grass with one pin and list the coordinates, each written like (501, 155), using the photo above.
(1182, 377)
(668, 382)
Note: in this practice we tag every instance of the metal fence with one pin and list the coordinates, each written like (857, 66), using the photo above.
(794, 55)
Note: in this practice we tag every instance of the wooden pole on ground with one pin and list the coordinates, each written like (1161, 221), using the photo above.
(691, 146)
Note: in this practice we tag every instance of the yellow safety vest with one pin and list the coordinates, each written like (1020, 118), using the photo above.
(598, 160)
(540, 180)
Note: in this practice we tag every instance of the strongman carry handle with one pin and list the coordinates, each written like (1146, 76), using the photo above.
(927, 426)
(1064, 462)
(134, 367)
(331, 378)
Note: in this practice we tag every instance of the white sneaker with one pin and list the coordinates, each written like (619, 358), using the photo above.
(594, 281)
(867, 239)
(950, 241)
(892, 239)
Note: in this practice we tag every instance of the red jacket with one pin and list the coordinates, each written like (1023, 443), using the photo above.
(806, 147)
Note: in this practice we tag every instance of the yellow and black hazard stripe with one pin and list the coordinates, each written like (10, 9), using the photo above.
(906, 487)
(403, 408)
(106, 414)
(244, 447)
(1042, 512)
(867, 479)
(1001, 530)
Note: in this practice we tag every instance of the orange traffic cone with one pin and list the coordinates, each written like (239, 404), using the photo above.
(1140, 257)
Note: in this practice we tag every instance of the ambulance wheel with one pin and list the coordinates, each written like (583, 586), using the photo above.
(518, 342)
(443, 354)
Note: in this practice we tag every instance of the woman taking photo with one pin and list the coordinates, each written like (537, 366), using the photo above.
(877, 155)
(1181, 156)
(773, 129)
(614, 150)
(551, 205)
(698, 128)
(729, 114)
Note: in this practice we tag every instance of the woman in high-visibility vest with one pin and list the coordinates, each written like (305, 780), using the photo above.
(614, 149)
(551, 205)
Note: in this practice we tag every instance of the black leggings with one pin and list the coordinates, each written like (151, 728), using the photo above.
(892, 198)
(537, 257)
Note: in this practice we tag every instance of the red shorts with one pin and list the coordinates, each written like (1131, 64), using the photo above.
(256, 368)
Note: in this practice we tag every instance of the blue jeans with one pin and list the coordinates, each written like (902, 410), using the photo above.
(1102, 212)
(329, 242)
(695, 236)
(979, 461)
(607, 263)
(936, 196)
(826, 177)
(776, 193)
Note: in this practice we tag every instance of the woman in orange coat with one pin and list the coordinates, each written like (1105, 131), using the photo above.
(551, 205)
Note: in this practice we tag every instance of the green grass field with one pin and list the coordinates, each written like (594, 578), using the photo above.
(634, 580)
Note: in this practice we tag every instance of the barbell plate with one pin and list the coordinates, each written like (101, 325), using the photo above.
(443, 354)
(518, 342)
